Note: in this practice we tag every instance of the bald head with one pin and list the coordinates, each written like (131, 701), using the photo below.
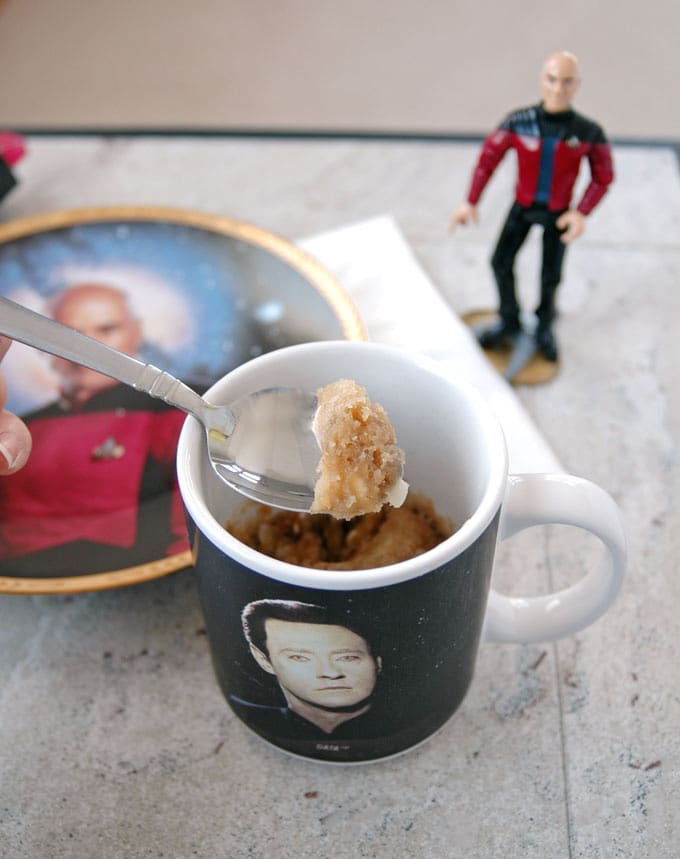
(560, 81)
(101, 312)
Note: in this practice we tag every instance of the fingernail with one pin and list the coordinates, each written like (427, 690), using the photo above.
(9, 448)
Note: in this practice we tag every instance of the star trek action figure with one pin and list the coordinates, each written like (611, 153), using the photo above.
(12, 148)
(550, 140)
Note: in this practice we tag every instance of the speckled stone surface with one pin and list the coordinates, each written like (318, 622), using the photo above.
(114, 738)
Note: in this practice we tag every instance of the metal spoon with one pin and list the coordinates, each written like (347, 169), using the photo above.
(263, 444)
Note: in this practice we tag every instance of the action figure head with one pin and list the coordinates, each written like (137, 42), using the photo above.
(559, 81)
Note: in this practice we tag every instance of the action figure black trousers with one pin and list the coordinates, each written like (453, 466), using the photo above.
(515, 230)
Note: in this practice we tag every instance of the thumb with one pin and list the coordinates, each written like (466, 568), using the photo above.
(15, 443)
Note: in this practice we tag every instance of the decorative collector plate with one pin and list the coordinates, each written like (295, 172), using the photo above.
(97, 506)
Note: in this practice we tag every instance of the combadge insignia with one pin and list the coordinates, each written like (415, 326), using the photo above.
(109, 449)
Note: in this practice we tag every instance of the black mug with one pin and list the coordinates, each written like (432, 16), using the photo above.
(360, 665)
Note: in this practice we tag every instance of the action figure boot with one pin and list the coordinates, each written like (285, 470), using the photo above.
(501, 335)
(546, 343)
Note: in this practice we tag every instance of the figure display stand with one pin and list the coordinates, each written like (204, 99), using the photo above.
(550, 140)
(520, 363)
(12, 149)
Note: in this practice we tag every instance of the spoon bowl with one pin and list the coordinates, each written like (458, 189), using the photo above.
(263, 444)
(272, 454)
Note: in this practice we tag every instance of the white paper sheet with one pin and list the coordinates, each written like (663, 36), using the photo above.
(400, 306)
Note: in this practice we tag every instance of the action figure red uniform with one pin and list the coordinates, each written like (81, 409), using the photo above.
(549, 147)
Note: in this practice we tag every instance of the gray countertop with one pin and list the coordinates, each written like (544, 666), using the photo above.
(114, 738)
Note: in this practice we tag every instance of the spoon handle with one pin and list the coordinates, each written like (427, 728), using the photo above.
(31, 328)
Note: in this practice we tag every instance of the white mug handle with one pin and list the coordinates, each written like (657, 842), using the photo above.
(544, 499)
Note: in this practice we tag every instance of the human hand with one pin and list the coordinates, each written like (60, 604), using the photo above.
(573, 223)
(15, 439)
(463, 215)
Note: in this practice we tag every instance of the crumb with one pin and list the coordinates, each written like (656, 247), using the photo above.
(540, 659)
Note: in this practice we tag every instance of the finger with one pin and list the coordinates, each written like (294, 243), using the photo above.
(566, 225)
(15, 443)
(5, 343)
